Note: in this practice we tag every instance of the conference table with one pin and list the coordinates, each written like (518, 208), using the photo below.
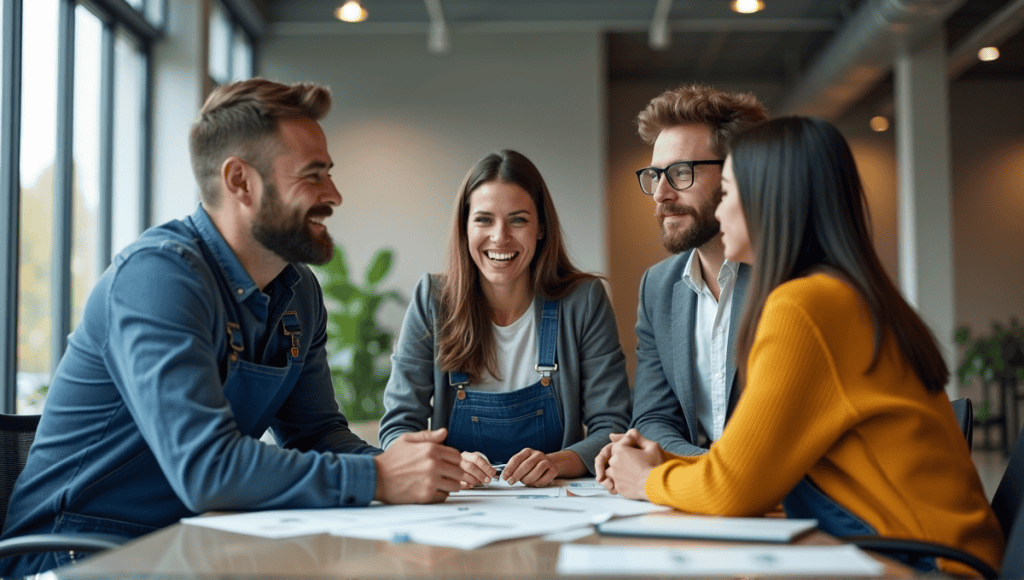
(190, 551)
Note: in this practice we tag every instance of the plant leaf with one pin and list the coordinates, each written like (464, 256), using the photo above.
(379, 266)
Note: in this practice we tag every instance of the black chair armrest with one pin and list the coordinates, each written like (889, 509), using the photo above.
(37, 543)
(918, 549)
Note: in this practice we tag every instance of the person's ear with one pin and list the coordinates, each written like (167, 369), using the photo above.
(238, 179)
(540, 233)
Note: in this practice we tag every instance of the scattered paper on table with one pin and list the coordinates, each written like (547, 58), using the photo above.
(501, 487)
(308, 522)
(725, 561)
(465, 522)
(710, 528)
(587, 487)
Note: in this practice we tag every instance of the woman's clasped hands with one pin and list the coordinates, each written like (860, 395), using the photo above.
(623, 465)
(529, 466)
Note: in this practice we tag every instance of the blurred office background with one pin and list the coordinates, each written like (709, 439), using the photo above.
(98, 97)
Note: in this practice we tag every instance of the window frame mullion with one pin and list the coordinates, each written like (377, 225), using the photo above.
(63, 185)
(105, 214)
(10, 198)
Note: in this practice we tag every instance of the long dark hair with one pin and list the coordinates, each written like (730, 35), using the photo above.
(805, 210)
(466, 342)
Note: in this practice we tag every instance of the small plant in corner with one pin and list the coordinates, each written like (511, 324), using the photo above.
(997, 356)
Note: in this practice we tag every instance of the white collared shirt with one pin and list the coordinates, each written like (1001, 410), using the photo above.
(711, 344)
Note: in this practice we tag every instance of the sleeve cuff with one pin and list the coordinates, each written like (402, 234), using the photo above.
(358, 480)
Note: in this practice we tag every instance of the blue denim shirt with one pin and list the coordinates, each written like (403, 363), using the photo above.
(178, 366)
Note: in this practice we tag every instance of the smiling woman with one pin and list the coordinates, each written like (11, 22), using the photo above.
(526, 346)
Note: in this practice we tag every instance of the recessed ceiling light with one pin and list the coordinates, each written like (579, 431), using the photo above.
(988, 53)
(879, 124)
(747, 6)
(351, 11)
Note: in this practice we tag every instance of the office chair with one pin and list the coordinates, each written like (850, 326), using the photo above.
(963, 409)
(1006, 503)
(16, 435)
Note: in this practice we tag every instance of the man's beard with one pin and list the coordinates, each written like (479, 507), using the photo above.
(703, 228)
(289, 235)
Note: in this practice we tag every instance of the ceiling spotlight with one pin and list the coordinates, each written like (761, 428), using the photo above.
(988, 53)
(879, 124)
(747, 6)
(351, 11)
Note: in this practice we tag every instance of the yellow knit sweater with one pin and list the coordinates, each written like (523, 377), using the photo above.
(878, 444)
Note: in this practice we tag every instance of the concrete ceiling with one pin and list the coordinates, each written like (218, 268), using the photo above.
(828, 53)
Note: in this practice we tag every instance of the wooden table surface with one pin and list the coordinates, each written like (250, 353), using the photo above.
(185, 551)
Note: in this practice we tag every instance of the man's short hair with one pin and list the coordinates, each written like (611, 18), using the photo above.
(725, 113)
(241, 119)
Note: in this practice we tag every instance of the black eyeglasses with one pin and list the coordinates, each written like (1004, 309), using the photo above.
(679, 174)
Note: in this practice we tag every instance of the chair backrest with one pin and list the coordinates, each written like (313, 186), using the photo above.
(16, 435)
(1007, 500)
(1007, 503)
(963, 410)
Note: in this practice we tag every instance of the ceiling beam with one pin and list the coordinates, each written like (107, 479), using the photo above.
(437, 35)
(659, 37)
(862, 54)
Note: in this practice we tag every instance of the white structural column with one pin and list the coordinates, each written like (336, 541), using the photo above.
(925, 203)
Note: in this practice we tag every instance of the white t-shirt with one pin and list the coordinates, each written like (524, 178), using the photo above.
(516, 349)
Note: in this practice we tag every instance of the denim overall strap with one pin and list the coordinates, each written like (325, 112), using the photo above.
(500, 425)
(235, 340)
(292, 329)
(546, 346)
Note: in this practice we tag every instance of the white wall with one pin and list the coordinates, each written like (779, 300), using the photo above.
(407, 125)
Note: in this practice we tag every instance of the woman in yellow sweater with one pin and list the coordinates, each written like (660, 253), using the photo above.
(843, 417)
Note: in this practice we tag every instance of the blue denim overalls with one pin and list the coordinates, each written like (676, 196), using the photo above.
(807, 500)
(499, 425)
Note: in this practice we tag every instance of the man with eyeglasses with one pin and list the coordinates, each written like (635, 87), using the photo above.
(689, 303)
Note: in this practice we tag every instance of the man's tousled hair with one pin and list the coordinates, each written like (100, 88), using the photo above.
(697, 104)
(241, 119)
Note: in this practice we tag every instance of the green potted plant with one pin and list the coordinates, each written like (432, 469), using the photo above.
(358, 348)
(997, 357)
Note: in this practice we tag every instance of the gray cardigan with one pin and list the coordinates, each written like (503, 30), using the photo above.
(591, 385)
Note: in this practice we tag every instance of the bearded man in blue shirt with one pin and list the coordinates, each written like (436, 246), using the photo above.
(203, 334)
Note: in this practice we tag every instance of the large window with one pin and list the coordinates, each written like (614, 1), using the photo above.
(230, 54)
(74, 148)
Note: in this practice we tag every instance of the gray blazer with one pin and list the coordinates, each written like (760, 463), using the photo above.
(591, 385)
(664, 405)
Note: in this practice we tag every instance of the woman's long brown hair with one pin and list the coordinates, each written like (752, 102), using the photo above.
(805, 209)
(465, 339)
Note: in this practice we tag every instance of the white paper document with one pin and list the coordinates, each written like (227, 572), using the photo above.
(478, 527)
(587, 487)
(709, 527)
(464, 522)
(308, 522)
(726, 561)
(501, 487)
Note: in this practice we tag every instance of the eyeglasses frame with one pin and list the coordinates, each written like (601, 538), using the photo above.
(658, 171)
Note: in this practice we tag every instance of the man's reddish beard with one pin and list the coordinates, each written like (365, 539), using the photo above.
(703, 228)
